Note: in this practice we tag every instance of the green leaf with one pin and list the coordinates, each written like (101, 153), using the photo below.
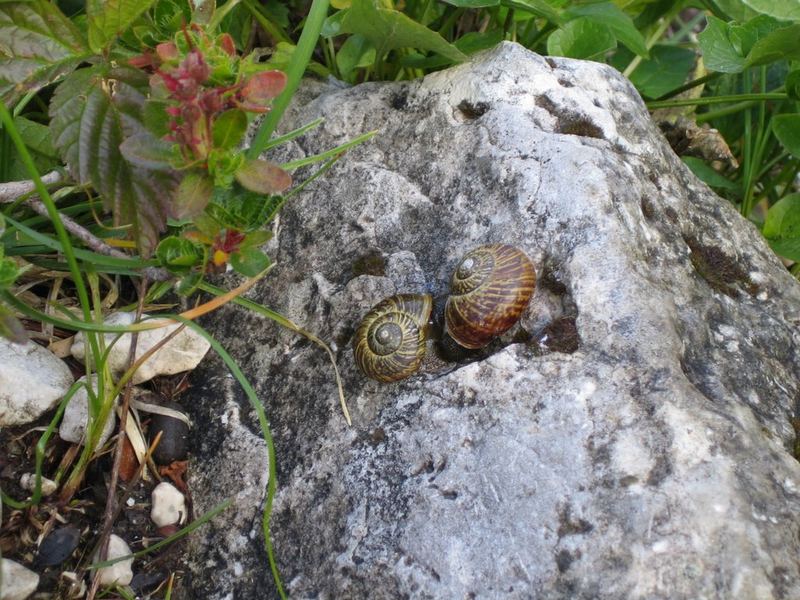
(229, 128)
(667, 68)
(391, 29)
(194, 193)
(249, 261)
(473, 3)
(708, 175)
(788, 248)
(356, 52)
(719, 53)
(787, 129)
(108, 19)
(541, 8)
(333, 24)
(581, 38)
(37, 138)
(787, 10)
(242, 209)
(8, 272)
(92, 112)
(731, 48)
(146, 150)
(620, 24)
(178, 254)
(783, 219)
(38, 45)
(263, 177)
(792, 85)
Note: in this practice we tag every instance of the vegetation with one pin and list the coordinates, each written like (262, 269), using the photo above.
(125, 122)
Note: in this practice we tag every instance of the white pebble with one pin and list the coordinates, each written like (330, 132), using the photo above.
(28, 482)
(119, 573)
(169, 505)
(18, 582)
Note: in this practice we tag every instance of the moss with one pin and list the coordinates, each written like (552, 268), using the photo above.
(722, 273)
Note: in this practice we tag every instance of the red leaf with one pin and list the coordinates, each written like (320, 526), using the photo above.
(263, 177)
(263, 87)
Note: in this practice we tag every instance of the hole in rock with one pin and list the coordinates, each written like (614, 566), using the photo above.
(721, 272)
(370, 263)
(569, 122)
(473, 111)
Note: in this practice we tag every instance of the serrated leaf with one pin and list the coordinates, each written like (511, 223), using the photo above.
(242, 209)
(783, 219)
(108, 19)
(147, 151)
(581, 38)
(390, 29)
(194, 193)
(620, 24)
(38, 45)
(249, 261)
(787, 10)
(229, 128)
(92, 112)
(263, 177)
(787, 129)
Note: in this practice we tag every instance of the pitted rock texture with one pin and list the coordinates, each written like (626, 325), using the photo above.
(636, 443)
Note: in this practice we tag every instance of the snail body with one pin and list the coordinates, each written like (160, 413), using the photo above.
(489, 291)
(389, 344)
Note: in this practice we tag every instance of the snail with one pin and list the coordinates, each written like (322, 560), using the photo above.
(489, 291)
(389, 344)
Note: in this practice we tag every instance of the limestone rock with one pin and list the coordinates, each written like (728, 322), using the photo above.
(181, 353)
(32, 380)
(636, 443)
(169, 505)
(76, 417)
(119, 573)
(18, 582)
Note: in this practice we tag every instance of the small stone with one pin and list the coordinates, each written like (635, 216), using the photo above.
(119, 573)
(174, 436)
(76, 415)
(182, 353)
(28, 482)
(18, 581)
(169, 505)
(46, 379)
(58, 546)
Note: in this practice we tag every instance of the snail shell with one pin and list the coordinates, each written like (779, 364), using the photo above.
(389, 344)
(489, 291)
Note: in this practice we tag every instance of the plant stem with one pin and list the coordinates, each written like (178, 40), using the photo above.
(300, 58)
(717, 100)
(689, 85)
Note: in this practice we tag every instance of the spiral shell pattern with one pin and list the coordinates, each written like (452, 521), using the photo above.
(389, 344)
(489, 291)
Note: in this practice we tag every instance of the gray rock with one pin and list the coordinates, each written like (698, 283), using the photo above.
(18, 582)
(32, 380)
(181, 353)
(636, 444)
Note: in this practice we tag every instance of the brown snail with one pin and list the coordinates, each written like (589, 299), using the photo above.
(489, 291)
(389, 344)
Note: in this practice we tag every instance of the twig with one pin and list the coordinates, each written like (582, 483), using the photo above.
(12, 190)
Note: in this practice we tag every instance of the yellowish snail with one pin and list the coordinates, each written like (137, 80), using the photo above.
(489, 291)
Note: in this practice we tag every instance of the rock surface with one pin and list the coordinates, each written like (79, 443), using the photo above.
(17, 582)
(635, 442)
(181, 353)
(32, 380)
(76, 417)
